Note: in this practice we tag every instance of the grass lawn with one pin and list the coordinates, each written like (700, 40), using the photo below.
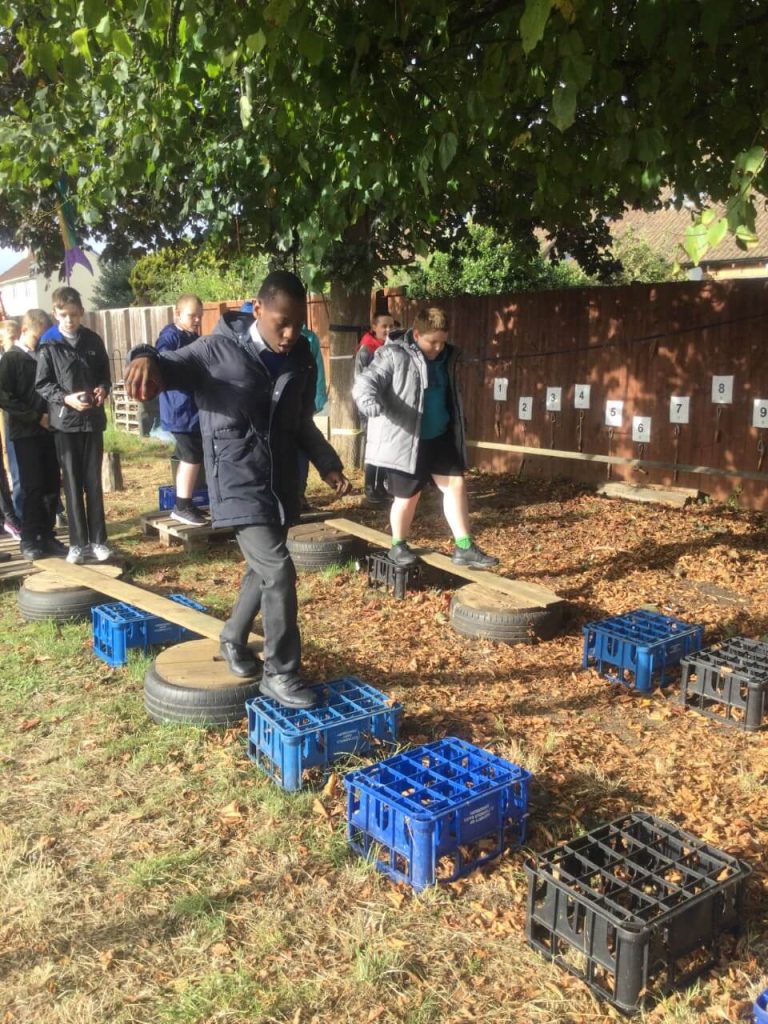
(151, 874)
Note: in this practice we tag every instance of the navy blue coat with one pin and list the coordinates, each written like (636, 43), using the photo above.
(178, 412)
(253, 426)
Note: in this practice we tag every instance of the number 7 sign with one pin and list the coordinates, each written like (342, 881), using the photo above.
(679, 409)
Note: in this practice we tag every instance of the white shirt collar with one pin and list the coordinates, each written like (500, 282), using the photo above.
(20, 344)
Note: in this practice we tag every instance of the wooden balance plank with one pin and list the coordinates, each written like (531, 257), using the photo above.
(527, 595)
(155, 604)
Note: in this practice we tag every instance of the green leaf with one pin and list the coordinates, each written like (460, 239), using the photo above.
(563, 107)
(48, 57)
(93, 12)
(181, 31)
(255, 43)
(753, 160)
(104, 27)
(533, 22)
(121, 42)
(707, 216)
(212, 70)
(717, 231)
(311, 46)
(746, 237)
(696, 243)
(447, 151)
(246, 111)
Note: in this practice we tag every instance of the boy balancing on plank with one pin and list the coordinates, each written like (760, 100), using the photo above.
(253, 381)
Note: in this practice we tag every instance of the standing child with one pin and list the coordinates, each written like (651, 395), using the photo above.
(254, 382)
(9, 335)
(73, 377)
(35, 449)
(370, 343)
(411, 396)
(178, 412)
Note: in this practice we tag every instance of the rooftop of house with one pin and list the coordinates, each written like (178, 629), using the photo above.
(664, 231)
(20, 271)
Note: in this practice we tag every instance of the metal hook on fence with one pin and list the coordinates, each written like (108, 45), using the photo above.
(760, 450)
(580, 432)
(718, 414)
(675, 472)
(641, 456)
(610, 445)
(552, 422)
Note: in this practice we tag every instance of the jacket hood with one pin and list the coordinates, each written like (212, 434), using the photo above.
(234, 325)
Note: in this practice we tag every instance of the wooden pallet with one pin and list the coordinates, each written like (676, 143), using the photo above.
(170, 532)
(526, 595)
(12, 566)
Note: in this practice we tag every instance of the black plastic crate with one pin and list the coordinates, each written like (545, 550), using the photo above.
(728, 682)
(635, 907)
(396, 579)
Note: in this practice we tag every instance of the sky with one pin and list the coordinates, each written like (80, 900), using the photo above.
(7, 258)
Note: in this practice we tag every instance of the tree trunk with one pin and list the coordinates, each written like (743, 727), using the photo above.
(350, 316)
(111, 473)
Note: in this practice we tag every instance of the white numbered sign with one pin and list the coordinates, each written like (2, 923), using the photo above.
(679, 409)
(525, 408)
(641, 429)
(500, 389)
(554, 399)
(722, 390)
(760, 413)
(614, 412)
(581, 396)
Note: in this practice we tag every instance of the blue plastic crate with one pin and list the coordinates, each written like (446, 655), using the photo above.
(118, 626)
(166, 497)
(641, 649)
(351, 718)
(760, 1008)
(435, 813)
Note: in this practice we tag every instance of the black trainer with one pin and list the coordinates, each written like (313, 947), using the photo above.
(242, 661)
(289, 690)
(402, 555)
(53, 546)
(473, 558)
(31, 552)
(190, 516)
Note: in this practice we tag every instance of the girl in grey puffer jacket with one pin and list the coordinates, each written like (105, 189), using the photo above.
(411, 397)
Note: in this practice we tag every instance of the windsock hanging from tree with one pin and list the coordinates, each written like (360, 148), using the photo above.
(73, 254)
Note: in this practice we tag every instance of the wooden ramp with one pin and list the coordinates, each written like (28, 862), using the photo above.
(119, 590)
(526, 595)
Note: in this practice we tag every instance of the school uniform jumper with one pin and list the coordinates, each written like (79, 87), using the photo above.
(65, 368)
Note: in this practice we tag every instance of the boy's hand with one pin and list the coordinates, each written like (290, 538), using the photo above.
(372, 410)
(99, 395)
(143, 379)
(74, 401)
(338, 482)
(44, 421)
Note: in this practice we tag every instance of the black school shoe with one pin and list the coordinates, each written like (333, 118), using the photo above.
(189, 516)
(31, 552)
(473, 558)
(288, 689)
(53, 546)
(402, 555)
(242, 661)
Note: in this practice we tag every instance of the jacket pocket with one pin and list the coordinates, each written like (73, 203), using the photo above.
(241, 469)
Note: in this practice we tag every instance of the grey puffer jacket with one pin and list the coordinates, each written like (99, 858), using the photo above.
(390, 393)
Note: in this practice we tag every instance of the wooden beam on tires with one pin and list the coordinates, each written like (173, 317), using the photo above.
(155, 604)
(530, 595)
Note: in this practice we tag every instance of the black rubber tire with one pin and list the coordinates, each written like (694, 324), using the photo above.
(62, 605)
(481, 613)
(315, 554)
(166, 702)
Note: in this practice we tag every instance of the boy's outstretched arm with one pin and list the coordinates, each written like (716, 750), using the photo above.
(143, 378)
(371, 386)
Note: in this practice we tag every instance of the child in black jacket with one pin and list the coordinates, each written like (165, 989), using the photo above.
(73, 377)
(33, 442)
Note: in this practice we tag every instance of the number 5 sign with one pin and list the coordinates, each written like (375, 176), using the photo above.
(614, 412)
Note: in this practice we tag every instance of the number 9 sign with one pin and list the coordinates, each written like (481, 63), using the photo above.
(760, 413)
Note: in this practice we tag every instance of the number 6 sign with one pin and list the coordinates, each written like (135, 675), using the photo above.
(641, 429)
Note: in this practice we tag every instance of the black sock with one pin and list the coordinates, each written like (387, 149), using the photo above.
(184, 504)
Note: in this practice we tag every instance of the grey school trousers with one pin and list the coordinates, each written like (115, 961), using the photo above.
(269, 587)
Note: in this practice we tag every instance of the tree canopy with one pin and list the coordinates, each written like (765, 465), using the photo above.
(356, 134)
